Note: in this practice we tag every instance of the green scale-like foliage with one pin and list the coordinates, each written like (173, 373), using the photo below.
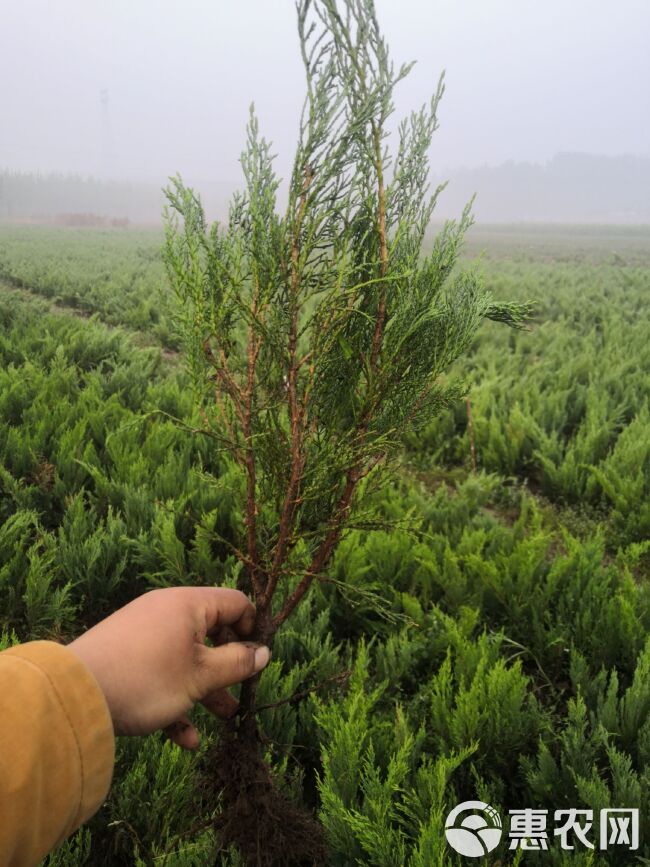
(116, 274)
(496, 646)
(96, 502)
(325, 318)
(566, 405)
(513, 666)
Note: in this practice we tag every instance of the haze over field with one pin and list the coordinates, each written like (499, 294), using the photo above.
(138, 91)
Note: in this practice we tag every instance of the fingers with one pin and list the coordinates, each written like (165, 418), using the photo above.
(223, 635)
(183, 733)
(221, 703)
(228, 607)
(223, 666)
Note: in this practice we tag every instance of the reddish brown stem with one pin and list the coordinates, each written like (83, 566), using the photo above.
(249, 460)
(296, 412)
(325, 549)
(298, 696)
(324, 552)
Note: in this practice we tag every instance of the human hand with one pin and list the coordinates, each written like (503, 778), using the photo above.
(152, 664)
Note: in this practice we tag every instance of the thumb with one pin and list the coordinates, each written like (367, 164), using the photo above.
(228, 664)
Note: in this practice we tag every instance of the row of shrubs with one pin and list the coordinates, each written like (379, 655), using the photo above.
(115, 273)
(565, 407)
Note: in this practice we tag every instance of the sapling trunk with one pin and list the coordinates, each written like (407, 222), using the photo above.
(317, 339)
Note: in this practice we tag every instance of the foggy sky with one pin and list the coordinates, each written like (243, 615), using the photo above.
(525, 80)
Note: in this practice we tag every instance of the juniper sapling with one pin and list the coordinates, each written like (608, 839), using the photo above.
(319, 336)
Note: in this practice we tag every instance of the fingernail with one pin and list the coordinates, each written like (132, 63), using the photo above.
(262, 656)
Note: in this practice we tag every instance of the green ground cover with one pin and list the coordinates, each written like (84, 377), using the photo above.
(496, 640)
(116, 273)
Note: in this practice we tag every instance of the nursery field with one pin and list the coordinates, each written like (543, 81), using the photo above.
(493, 645)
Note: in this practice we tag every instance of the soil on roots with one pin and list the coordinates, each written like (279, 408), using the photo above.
(257, 818)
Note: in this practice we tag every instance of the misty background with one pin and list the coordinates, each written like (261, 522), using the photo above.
(546, 114)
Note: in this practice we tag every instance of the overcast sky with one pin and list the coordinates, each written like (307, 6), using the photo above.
(525, 79)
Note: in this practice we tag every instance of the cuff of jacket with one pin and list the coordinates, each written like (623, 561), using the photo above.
(87, 714)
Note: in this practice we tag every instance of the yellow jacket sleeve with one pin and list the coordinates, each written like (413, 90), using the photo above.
(57, 749)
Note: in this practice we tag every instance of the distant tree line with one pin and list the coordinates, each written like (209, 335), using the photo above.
(27, 195)
(52, 197)
(571, 187)
(568, 188)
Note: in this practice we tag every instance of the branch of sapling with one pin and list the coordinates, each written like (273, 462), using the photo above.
(250, 520)
(319, 336)
(302, 694)
(325, 550)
